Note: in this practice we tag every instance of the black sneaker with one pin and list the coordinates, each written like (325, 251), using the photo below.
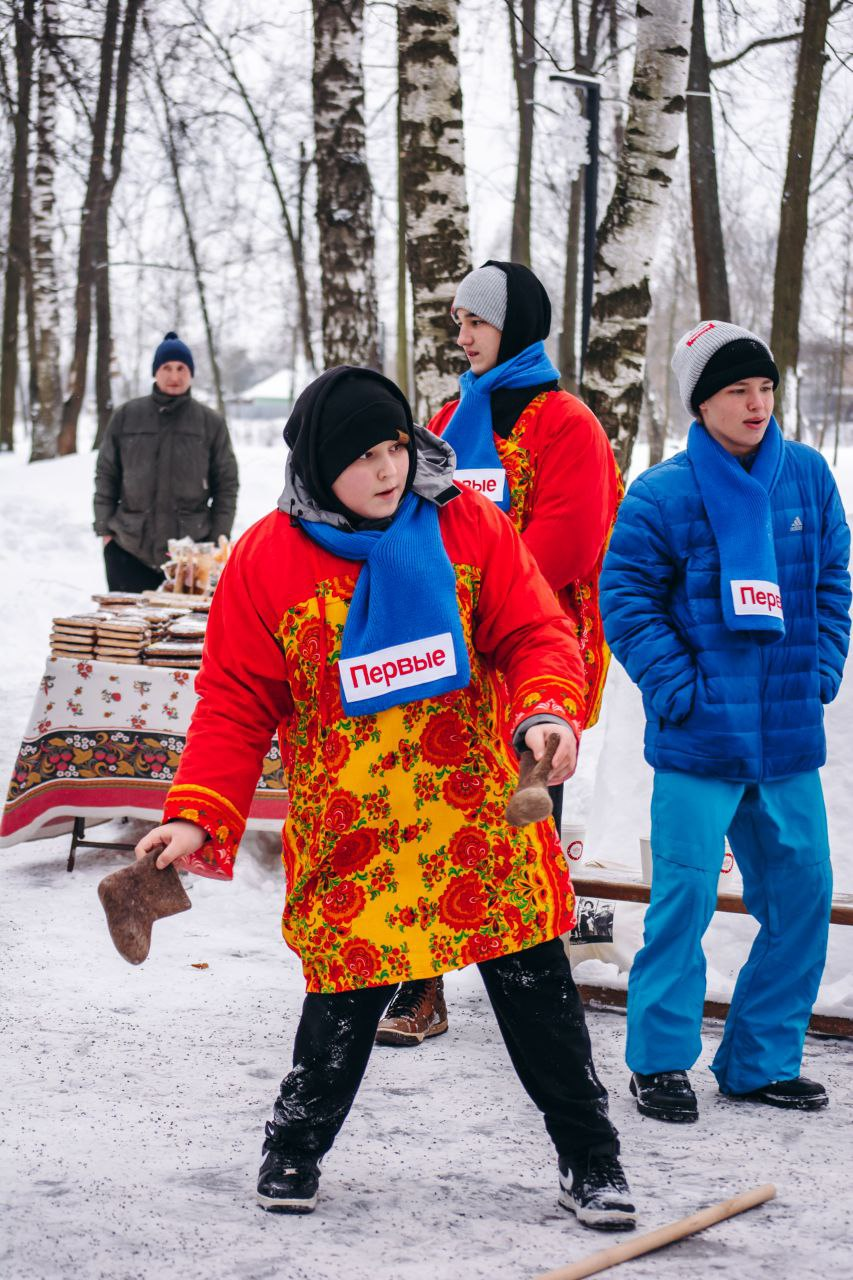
(597, 1192)
(286, 1184)
(665, 1095)
(798, 1094)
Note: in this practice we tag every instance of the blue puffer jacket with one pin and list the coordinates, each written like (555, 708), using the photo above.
(718, 703)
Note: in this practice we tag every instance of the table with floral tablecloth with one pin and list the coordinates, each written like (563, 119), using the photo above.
(104, 740)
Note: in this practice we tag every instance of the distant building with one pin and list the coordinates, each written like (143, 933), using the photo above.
(272, 397)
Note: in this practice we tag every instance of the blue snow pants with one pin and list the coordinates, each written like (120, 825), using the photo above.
(777, 831)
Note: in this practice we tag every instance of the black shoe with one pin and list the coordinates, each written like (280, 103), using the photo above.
(597, 1192)
(665, 1095)
(799, 1094)
(286, 1184)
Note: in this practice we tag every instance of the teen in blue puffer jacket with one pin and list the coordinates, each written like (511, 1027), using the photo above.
(726, 596)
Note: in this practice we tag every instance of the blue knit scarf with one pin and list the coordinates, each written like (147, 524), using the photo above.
(470, 432)
(738, 507)
(403, 638)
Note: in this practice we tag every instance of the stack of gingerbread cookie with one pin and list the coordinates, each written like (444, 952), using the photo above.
(74, 636)
(123, 638)
(182, 643)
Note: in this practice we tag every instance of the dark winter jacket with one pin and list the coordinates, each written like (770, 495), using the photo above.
(717, 702)
(165, 469)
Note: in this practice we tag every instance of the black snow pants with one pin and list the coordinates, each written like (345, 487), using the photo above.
(541, 1019)
(126, 573)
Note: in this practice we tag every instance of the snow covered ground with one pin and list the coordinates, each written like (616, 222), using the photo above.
(134, 1098)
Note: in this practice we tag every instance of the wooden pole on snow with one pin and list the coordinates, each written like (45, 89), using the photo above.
(652, 1240)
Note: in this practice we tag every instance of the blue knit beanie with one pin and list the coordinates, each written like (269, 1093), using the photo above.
(171, 348)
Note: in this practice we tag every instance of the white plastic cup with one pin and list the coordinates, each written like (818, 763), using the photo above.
(572, 837)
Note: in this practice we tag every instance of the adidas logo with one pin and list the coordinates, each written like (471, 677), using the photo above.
(796, 525)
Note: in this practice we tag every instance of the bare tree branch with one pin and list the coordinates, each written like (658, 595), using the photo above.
(782, 38)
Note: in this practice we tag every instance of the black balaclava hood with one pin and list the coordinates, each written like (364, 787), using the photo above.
(528, 309)
(338, 416)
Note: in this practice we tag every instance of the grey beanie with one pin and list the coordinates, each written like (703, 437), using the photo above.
(714, 355)
(483, 293)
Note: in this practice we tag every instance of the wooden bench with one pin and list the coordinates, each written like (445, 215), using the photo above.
(597, 885)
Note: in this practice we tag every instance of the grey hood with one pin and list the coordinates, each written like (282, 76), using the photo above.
(433, 481)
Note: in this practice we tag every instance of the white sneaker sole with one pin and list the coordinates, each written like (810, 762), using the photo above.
(406, 1039)
(285, 1205)
(600, 1219)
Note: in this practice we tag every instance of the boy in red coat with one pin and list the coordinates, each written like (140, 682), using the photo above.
(540, 455)
(366, 620)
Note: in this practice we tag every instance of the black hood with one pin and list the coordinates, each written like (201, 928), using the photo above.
(316, 415)
(528, 309)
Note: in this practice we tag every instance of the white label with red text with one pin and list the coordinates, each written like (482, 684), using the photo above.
(752, 596)
(398, 667)
(489, 481)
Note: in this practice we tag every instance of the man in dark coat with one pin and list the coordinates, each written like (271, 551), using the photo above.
(165, 470)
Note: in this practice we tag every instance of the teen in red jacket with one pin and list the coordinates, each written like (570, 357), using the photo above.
(543, 457)
(366, 620)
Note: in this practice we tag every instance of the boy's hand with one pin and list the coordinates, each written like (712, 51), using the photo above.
(178, 839)
(565, 757)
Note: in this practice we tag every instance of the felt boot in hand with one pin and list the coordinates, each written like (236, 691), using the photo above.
(596, 1190)
(134, 898)
(798, 1094)
(417, 1012)
(286, 1183)
(665, 1095)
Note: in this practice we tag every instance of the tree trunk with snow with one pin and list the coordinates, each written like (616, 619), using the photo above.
(615, 361)
(402, 375)
(711, 277)
(18, 257)
(521, 38)
(585, 45)
(344, 191)
(794, 221)
(88, 223)
(103, 312)
(47, 408)
(568, 354)
(433, 174)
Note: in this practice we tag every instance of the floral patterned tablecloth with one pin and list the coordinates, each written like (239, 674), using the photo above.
(105, 740)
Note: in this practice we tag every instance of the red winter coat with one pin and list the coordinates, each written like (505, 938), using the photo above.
(565, 487)
(399, 864)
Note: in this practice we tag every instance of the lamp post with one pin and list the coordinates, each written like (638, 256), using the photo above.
(592, 95)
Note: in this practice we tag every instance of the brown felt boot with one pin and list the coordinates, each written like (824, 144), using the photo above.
(417, 1012)
(134, 898)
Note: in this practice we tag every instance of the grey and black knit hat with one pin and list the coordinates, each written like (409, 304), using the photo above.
(483, 293)
(714, 355)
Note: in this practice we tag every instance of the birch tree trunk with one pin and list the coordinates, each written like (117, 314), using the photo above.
(615, 361)
(708, 242)
(47, 407)
(794, 220)
(524, 74)
(433, 174)
(344, 191)
(88, 222)
(18, 259)
(402, 376)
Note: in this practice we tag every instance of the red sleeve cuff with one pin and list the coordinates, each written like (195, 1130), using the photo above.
(218, 817)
